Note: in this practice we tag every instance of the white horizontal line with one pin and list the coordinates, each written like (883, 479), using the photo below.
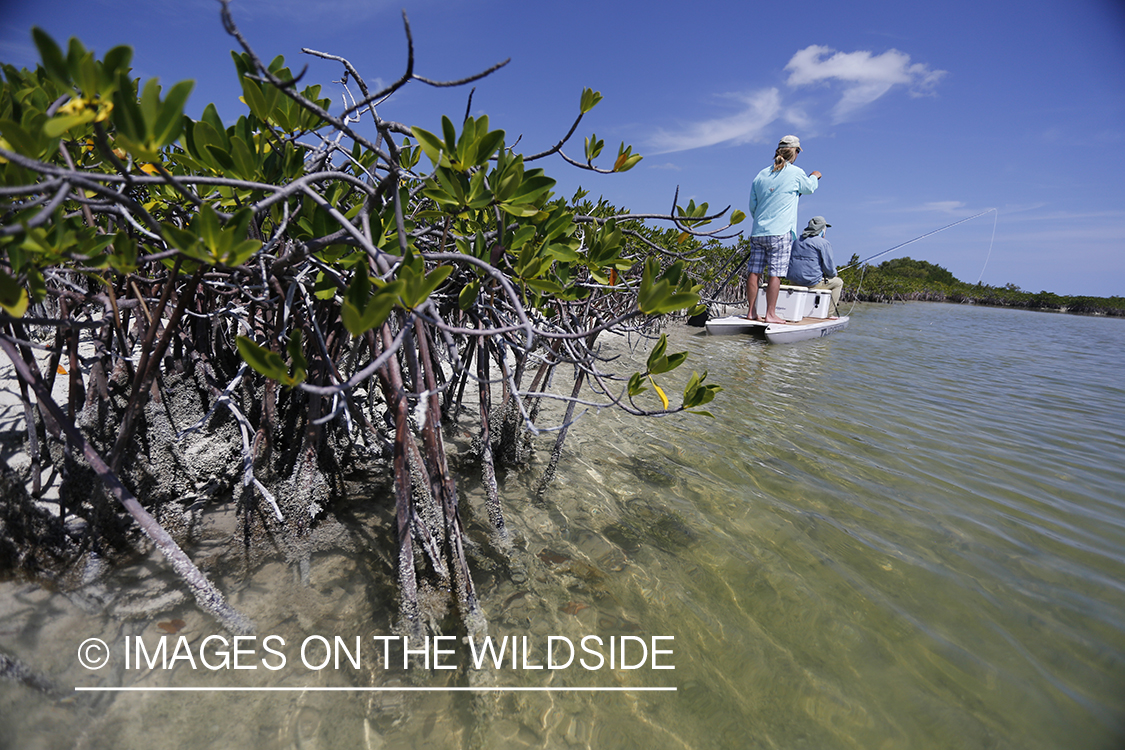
(371, 689)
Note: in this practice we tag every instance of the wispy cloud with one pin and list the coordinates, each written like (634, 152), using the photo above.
(865, 77)
(945, 207)
(952, 209)
(20, 54)
(759, 109)
(336, 12)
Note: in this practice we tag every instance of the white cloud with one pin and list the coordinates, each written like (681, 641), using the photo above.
(865, 77)
(760, 109)
(797, 118)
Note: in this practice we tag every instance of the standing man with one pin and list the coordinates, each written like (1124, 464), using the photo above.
(773, 204)
(811, 263)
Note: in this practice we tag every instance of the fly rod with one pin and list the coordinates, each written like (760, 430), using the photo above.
(922, 237)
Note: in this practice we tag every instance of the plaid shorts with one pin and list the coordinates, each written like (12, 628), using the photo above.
(773, 248)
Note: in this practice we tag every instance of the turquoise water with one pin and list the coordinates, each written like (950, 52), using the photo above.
(928, 528)
(908, 535)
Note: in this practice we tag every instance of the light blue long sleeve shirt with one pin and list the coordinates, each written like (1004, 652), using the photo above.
(773, 199)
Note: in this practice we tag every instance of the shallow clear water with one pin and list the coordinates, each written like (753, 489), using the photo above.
(909, 535)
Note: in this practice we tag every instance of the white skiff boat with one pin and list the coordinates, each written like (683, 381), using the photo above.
(777, 333)
(805, 310)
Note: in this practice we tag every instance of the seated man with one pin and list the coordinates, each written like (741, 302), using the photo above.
(811, 262)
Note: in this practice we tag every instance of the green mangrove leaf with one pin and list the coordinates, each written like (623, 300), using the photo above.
(13, 297)
(545, 285)
(697, 394)
(521, 236)
(430, 144)
(56, 126)
(263, 360)
(534, 184)
(269, 363)
(637, 384)
(124, 255)
(450, 134)
(362, 310)
(168, 123)
(594, 147)
(297, 354)
(590, 99)
(468, 295)
(16, 138)
(117, 60)
(325, 286)
(418, 286)
(53, 61)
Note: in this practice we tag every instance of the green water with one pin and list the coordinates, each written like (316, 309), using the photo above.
(909, 535)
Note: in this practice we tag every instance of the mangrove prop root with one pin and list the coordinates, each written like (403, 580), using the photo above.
(15, 670)
(409, 613)
(206, 595)
(495, 512)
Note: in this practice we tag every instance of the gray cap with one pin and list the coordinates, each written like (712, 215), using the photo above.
(816, 226)
(790, 141)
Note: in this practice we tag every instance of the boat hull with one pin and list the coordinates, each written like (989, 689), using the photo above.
(777, 333)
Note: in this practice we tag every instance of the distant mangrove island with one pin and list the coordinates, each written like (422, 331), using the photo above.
(906, 279)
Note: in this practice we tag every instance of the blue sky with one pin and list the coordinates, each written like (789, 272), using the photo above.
(917, 114)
